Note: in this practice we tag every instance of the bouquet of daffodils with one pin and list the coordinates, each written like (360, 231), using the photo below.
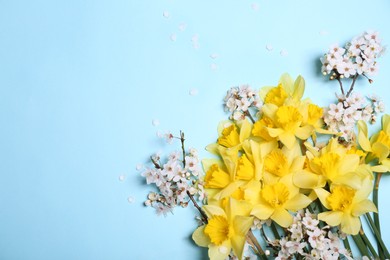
(287, 179)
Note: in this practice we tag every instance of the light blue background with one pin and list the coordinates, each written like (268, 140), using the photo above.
(81, 82)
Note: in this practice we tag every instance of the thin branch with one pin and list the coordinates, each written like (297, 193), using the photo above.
(352, 85)
(248, 114)
(254, 241)
(182, 148)
(341, 85)
(204, 216)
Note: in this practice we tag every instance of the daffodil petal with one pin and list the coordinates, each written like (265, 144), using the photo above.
(307, 180)
(212, 148)
(242, 224)
(288, 139)
(282, 217)
(238, 243)
(349, 163)
(211, 210)
(274, 132)
(304, 132)
(299, 88)
(287, 83)
(380, 168)
(332, 218)
(245, 130)
(220, 252)
(364, 191)
(350, 225)
(262, 211)
(298, 202)
(322, 195)
(380, 150)
(269, 110)
(200, 238)
(363, 207)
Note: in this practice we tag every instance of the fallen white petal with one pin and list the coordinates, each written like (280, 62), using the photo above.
(214, 66)
(182, 27)
(173, 37)
(283, 52)
(214, 56)
(269, 47)
(122, 177)
(155, 122)
(255, 6)
(130, 199)
(139, 167)
(193, 92)
(166, 14)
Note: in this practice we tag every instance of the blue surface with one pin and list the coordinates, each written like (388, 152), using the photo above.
(81, 82)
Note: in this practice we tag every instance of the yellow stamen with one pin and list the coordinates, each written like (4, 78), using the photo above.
(276, 95)
(341, 198)
(230, 137)
(276, 195)
(245, 169)
(216, 178)
(289, 118)
(218, 229)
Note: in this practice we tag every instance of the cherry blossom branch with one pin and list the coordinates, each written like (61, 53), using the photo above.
(352, 85)
(248, 114)
(204, 216)
(254, 241)
(341, 84)
(182, 148)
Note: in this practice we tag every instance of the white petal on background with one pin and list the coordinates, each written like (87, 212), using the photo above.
(193, 92)
(122, 177)
(324, 32)
(139, 167)
(214, 56)
(214, 66)
(155, 122)
(255, 6)
(130, 199)
(173, 37)
(283, 52)
(182, 27)
(166, 14)
(269, 47)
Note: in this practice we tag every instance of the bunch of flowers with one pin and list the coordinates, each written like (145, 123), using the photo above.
(269, 172)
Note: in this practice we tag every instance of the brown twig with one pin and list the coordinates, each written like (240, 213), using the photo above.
(352, 85)
(204, 216)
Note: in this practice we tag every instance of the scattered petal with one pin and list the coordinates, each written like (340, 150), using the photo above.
(195, 38)
(159, 134)
(283, 52)
(323, 32)
(193, 92)
(255, 6)
(269, 47)
(131, 199)
(139, 167)
(182, 27)
(195, 45)
(155, 122)
(173, 37)
(214, 66)
(214, 56)
(166, 14)
(122, 177)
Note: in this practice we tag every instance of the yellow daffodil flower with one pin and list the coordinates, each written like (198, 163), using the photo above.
(231, 135)
(287, 121)
(331, 164)
(378, 146)
(345, 205)
(276, 199)
(226, 229)
(281, 162)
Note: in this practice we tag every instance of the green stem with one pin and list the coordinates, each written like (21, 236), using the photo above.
(275, 230)
(377, 235)
(369, 245)
(375, 199)
(360, 244)
(347, 246)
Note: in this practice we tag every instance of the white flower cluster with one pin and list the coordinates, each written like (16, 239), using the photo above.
(306, 238)
(357, 58)
(343, 116)
(173, 181)
(238, 100)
